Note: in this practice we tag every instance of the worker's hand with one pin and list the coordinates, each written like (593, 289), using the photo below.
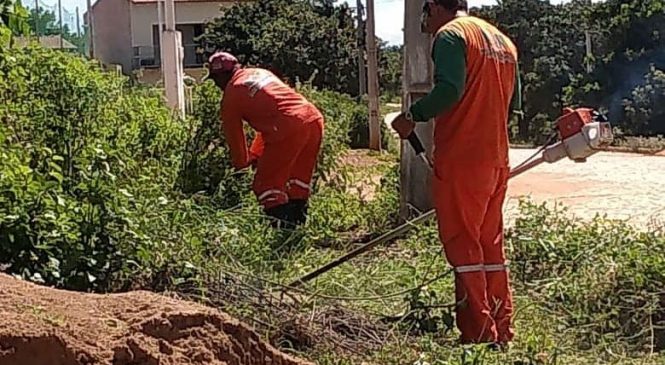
(403, 126)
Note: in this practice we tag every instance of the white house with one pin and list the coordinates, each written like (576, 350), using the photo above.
(125, 32)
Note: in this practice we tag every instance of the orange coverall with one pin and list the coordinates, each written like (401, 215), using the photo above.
(289, 134)
(471, 172)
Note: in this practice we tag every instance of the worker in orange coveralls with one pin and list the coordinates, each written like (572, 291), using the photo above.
(289, 131)
(476, 76)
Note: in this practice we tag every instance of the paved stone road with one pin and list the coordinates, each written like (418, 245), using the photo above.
(624, 186)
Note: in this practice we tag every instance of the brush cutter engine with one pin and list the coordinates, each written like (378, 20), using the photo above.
(582, 132)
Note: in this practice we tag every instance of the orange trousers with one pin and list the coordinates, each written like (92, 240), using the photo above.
(285, 166)
(469, 209)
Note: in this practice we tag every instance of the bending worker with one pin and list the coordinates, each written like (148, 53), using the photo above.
(289, 131)
(476, 75)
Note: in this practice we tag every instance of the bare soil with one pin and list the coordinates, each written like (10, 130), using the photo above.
(41, 325)
(367, 173)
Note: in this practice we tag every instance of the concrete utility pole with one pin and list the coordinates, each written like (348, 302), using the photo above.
(373, 81)
(362, 71)
(415, 176)
(172, 54)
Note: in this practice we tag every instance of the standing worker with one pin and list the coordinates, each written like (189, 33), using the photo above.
(289, 131)
(476, 76)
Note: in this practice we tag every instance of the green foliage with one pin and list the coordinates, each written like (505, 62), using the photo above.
(626, 39)
(80, 146)
(206, 163)
(605, 275)
(350, 115)
(88, 170)
(44, 22)
(300, 40)
(12, 20)
(390, 70)
(643, 111)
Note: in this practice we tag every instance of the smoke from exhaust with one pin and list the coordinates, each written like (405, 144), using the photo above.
(631, 74)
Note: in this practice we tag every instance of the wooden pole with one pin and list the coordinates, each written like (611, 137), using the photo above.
(362, 71)
(373, 82)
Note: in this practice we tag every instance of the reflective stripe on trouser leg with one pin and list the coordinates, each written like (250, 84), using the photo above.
(496, 267)
(299, 184)
(298, 190)
(481, 267)
(469, 268)
(272, 198)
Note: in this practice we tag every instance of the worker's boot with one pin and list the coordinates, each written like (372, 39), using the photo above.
(281, 216)
(299, 211)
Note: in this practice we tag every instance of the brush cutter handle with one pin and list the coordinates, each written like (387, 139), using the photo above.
(420, 150)
(416, 144)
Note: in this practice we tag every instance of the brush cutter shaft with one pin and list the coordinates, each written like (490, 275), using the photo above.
(583, 132)
(386, 237)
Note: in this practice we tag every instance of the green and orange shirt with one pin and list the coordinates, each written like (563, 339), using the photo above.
(476, 83)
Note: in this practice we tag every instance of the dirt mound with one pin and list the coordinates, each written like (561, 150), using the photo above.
(45, 326)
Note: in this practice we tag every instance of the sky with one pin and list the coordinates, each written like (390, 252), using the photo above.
(390, 17)
(389, 14)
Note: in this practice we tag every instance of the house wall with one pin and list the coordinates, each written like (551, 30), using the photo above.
(112, 33)
(144, 16)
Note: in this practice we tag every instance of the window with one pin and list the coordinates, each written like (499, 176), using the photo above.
(193, 51)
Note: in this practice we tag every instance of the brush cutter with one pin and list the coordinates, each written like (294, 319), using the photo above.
(581, 132)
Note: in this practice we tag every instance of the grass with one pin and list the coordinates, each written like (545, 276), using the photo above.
(585, 293)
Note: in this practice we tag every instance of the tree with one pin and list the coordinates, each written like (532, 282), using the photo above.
(390, 69)
(298, 39)
(626, 41)
(12, 20)
(44, 22)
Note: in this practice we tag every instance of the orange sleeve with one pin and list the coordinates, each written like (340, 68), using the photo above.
(232, 128)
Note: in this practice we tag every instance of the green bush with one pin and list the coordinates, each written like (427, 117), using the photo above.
(607, 275)
(79, 144)
(353, 114)
(206, 165)
(88, 171)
